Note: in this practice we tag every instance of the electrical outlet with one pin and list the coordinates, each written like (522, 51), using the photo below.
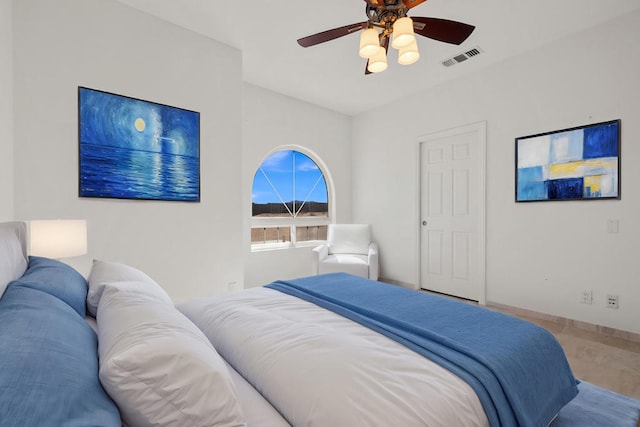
(612, 301)
(586, 297)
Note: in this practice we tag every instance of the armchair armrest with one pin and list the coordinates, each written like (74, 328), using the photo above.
(318, 254)
(373, 261)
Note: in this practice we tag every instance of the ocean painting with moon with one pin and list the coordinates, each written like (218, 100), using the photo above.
(135, 149)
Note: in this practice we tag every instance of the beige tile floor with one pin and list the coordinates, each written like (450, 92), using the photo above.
(599, 358)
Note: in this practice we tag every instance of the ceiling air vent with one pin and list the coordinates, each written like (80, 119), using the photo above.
(461, 57)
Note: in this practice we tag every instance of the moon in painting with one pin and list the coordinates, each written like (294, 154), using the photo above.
(140, 124)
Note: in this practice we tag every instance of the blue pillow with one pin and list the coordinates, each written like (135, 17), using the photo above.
(58, 279)
(49, 365)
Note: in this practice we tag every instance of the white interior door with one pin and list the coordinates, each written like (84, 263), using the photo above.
(452, 212)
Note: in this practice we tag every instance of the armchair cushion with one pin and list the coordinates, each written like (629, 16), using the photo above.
(349, 238)
(357, 265)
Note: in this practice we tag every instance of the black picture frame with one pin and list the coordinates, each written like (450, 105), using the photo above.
(578, 163)
(130, 148)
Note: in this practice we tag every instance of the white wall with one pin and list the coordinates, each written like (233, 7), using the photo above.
(190, 248)
(539, 255)
(272, 120)
(6, 110)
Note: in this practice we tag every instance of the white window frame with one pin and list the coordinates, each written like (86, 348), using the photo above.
(293, 222)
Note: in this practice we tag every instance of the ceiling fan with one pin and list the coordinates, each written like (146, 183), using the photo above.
(387, 21)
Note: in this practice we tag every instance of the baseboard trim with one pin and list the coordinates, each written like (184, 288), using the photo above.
(579, 324)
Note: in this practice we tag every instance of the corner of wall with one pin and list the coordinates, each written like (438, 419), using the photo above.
(6, 112)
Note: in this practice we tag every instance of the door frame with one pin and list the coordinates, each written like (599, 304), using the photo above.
(481, 129)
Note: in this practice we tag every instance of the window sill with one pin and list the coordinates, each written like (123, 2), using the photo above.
(262, 247)
(281, 246)
(310, 243)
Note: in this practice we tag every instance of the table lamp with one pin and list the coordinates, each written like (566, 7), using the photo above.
(57, 239)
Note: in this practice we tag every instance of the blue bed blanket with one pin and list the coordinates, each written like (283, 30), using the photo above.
(517, 369)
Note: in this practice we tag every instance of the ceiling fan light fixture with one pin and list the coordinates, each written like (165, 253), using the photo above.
(409, 54)
(403, 32)
(378, 62)
(369, 43)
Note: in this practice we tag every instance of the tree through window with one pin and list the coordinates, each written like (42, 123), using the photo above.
(289, 200)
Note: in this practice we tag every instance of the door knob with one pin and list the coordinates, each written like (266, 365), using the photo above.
(424, 222)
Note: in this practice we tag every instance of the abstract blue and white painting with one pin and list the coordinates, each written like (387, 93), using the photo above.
(569, 164)
(135, 149)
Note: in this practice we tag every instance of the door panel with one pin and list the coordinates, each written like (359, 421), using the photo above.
(434, 252)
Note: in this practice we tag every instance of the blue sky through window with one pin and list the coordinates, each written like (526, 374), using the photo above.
(289, 175)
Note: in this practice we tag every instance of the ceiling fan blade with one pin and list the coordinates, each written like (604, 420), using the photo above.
(442, 30)
(335, 33)
(412, 3)
(385, 44)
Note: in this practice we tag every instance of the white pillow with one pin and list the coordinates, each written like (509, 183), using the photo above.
(104, 273)
(158, 367)
(349, 238)
(13, 261)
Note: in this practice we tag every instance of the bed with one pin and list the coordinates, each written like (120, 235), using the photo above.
(329, 350)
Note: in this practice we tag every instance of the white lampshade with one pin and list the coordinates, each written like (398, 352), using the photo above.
(409, 54)
(58, 238)
(369, 43)
(402, 33)
(378, 62)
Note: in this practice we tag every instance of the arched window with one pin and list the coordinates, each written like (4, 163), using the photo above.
(290, 201)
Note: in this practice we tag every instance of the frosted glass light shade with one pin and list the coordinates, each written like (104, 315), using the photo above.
(409, 54)
(58, 238)
(378, 62)
(403, 33)
(369, 43)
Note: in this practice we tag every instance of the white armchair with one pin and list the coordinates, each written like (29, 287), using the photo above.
(349, 249)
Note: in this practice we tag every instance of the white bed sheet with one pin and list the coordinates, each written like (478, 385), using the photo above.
(320, 369)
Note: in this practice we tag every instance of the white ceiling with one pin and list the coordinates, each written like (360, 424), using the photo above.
(332, 74)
